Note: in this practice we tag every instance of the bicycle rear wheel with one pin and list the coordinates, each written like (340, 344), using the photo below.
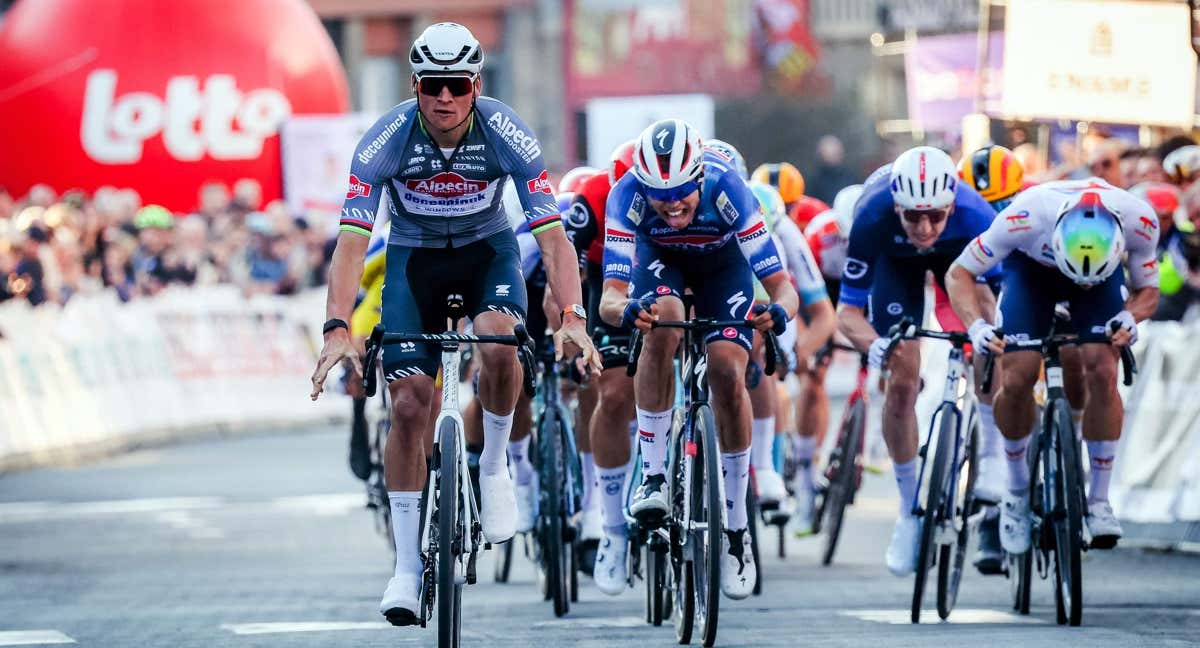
(1068, 527)
(1021, 566)
(448, 594)
(934, 503)
(752, 514)
(707, 506)
(683, 583)
(842, 482)
(960, 505)
(656, 579)
(551, 520)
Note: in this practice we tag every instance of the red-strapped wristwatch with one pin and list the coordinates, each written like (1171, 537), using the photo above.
(577, 310)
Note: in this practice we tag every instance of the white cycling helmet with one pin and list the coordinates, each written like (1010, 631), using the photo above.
(1088, 241)
(923, 178)
(843, 208)
(668, 155)
(1182, 163)
(446, 47)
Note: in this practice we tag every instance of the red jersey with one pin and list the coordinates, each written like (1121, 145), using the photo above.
(804, 210)
(586, 218)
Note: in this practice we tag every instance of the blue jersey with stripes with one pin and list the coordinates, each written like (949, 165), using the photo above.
(877, 233)
(439, 197)
(728, 210)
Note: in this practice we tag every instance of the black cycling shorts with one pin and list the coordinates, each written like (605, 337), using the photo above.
(611, 341)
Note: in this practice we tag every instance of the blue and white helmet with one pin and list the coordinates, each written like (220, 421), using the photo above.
(727, 150)
(669, 154)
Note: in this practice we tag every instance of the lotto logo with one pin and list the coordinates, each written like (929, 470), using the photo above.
(540, 184)
(358, 188)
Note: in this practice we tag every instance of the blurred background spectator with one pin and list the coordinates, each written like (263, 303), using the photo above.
(54, 247)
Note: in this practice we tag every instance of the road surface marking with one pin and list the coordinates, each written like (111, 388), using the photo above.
(33, 637)
(598, 622)
(38, 511)
(963, 616)
(303, 626)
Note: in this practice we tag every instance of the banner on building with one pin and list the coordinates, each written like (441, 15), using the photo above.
(1118, 62)
(790, 52)
(943, 79)
(664, 47)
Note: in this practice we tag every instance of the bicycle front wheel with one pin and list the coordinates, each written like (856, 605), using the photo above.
(555, 561)
(842, 482)
(706, 520)
(449, 530)
(934, 503)
(1068, 527)
(960, 506)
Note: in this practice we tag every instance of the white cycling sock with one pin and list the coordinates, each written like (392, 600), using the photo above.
(654, 431)
(1101, 454)
(762, 443)
(906, 482)
(588, 464)
(611, 486)
(1077, 420)
(1018, 464)
(991, 445)
(406, 519)
(736, 469)
(806, 447)
(496, 428)
(518, 455)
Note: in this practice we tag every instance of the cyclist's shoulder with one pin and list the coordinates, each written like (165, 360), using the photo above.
(388, 132)
(504, 126)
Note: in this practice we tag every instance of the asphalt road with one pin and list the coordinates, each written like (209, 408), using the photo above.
(263, 541)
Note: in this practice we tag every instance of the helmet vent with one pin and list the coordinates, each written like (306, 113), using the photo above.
(1087, 265)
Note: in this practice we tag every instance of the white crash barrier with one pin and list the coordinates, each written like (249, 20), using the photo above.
(100, 375)
(1157, 473)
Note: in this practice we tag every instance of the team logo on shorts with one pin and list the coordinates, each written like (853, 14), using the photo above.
(729, 333)
(663, 290)
(895, 308)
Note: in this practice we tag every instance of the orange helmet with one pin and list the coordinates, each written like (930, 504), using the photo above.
(786, 179)
(621, 161)
(993, 171)
(572, 180)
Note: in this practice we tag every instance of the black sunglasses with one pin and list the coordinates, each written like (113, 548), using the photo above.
(459, 86)
(914, 216)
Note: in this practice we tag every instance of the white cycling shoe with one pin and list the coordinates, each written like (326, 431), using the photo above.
(499, 503)
(1015, 523)
(527, 505)
(770, 487)
(902, 551)
(737, 565)
(1102, 525)
(399, 602)
(609, 570)
(990, 482)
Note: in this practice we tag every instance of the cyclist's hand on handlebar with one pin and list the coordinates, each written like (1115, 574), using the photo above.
(573, 336)
(878, 352)
(338, 347)
(640, 313)
(1122, 329)
(770, 317)
(984, 338)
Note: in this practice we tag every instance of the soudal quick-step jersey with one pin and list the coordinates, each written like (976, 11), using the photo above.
(442, 198)
(728, 209)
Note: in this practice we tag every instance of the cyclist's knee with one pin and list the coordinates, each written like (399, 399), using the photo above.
(616, 391)
(495, 355)
(1018, 378)
(411, 398)
(726, 375)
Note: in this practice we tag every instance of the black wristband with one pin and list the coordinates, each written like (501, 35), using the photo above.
(333, 324)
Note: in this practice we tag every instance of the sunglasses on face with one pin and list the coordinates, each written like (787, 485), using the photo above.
(432, 86)
(914, 216)
(673, 194)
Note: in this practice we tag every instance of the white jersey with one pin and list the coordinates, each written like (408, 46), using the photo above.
(1027, 226)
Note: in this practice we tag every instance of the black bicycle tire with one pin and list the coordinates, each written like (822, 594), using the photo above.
(1024, 587)
(711, 473)
(952, 559)
(551, 518)
(502, 568)
(840, 489)
(1072, 521)
(683, 589)
(448, 523)
(655, 581)
(752, 515)
(933, 503)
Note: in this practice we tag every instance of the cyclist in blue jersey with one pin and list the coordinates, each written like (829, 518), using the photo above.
(443, 159)
(683, 219)
(913, 217)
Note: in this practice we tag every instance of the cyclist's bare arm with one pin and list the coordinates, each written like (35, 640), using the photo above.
(562, 279)
(779, 287)
(964, 294)
(822, 322)
(852, 323)
(345, 273)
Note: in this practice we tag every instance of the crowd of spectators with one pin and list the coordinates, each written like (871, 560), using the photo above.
(54, 247)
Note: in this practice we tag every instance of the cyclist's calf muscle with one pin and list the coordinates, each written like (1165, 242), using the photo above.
(1014, 405)
(404, 462)
(900, 399)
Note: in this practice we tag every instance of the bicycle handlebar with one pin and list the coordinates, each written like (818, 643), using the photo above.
(700, 324)
(380, 338)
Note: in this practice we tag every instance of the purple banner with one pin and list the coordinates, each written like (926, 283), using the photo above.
(943, 82)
